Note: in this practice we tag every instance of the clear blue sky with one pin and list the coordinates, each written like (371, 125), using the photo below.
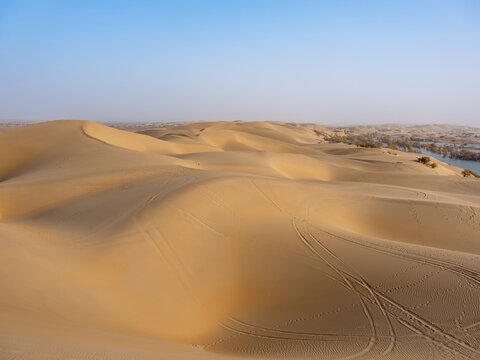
(308, 61)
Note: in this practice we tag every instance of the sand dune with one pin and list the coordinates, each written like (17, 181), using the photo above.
(219, 240)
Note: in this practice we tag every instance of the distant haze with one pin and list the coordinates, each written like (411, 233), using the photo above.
(332, 62)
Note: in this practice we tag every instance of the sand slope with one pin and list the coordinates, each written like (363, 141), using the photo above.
(218, 240)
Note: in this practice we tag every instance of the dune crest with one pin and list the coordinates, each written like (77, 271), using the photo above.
(219, 240)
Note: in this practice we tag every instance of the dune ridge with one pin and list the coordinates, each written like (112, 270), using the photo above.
(227, 239)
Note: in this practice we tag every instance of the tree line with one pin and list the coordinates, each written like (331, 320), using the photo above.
(375, 140)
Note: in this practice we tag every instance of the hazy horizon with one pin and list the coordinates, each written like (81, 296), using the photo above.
(334, 63)
(326, 124)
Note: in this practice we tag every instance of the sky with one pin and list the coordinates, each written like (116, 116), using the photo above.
(330, 62)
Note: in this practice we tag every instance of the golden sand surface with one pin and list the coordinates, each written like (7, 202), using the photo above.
(231, 240)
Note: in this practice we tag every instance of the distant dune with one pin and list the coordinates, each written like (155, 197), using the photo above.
(227, 239)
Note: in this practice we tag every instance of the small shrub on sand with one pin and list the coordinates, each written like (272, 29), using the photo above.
(468, 172)
(434, 165)
(423, 159)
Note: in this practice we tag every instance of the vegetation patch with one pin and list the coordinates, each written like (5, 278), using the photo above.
(454, 150)
(423, 159)
(468, 172)
(368, 145)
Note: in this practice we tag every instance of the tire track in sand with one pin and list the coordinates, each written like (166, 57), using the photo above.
(418, 324)
(349, 284)
(370, 289)
(468, 273)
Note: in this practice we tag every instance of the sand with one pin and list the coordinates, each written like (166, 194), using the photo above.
(231, 239)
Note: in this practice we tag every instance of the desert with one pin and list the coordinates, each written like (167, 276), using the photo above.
(222, 240)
